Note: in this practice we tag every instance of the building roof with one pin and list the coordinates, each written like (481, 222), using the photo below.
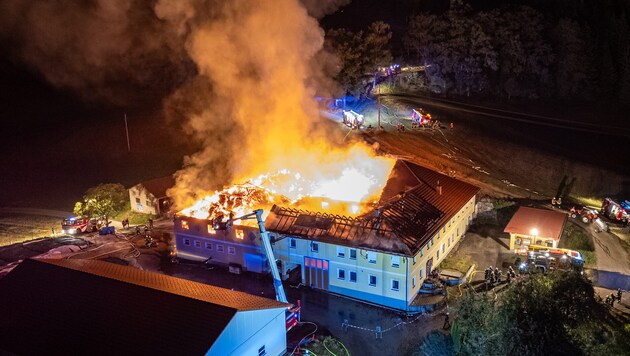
(549, 223)
(411, 210)
(158, 186)
(96, 307)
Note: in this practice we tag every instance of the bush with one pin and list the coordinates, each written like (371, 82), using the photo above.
(434, 344)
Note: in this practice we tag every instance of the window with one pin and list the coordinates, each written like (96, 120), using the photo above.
(140, 208)
(396, 261)
(371, 257)
(432, 240)
(341, 273)
(292, 243)
(439, 235)
(208, 245)
(421, 252)
(261, 351)
(395, 284)
(438, 255)
(197, 243)
(341, 251)
(219, 248)
(353, 254)
(138, 200)
(231, 250)
(353, 276)
(413, 281)
(187, 242)
(185, 225)
(414, 259)
(444, 228)
(314, 247)
(420, 274)
(443, 248)
(239, 234)
(372, 280)
(449, 222)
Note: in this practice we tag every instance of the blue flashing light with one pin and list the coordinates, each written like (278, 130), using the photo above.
(522, 265)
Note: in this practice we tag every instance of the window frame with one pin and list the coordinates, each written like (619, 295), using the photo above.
(292, 243)
(341, 252)
(350, 277)
(391, 284)
(233, 250)
(341, 274)
(220, 248)
(395, 265)
(375, 257)
(186, 242)
(315, 247)
(355, 253)
(370, 276)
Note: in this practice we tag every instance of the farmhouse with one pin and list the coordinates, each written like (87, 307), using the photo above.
(91, 307)
(381, 257)
(149, 197)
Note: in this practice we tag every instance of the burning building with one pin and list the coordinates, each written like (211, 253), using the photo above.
(378, 251)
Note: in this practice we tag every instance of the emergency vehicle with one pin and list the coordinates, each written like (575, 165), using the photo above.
(353, 119)
(616, 211)
(544, 258)
(420, 118)
(77, 225)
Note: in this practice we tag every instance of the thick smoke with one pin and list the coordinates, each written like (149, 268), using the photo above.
(252, 70)
(104, 50)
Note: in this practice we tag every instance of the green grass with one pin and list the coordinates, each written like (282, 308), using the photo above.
(135, 218)
(16, 228)
(578, 239)
(456, 262)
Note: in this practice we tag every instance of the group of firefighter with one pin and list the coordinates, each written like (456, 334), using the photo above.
(494, 276)
(610, 299)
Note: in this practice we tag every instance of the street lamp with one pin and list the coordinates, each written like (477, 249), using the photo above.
(533, 232)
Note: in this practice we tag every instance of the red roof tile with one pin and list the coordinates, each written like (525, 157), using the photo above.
(549, 223)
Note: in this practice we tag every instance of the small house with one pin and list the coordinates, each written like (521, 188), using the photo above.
(533, 226)
(150, 197)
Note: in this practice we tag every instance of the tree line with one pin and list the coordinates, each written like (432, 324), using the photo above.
(572, 51)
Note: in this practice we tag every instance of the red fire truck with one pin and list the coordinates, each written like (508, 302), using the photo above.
(420, 118)
(77, 225)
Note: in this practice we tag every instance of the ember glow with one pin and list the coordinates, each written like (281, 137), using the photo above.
(341, 187)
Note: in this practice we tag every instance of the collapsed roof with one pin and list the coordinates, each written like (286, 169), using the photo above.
(415, 203)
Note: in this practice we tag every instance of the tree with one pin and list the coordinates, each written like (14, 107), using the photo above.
(557, 313)
(103, 201)
(360, 53)
(573, 69)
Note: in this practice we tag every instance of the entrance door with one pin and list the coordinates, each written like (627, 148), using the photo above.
(429, 266)
(316, 272)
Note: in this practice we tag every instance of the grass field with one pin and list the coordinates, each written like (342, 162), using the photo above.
(15, 228)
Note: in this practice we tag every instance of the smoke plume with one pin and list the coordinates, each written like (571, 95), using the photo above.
(252, 69)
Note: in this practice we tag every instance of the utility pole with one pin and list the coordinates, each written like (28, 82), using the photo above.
(378, 128)
(127, 131)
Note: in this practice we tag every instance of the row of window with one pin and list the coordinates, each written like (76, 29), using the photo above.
(341, 253)
(209, 246)
(352, 277)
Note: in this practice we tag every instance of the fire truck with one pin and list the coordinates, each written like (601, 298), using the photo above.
(420, 118)
(77, 225)
(544, 258)
(616, 211)
(353, 119)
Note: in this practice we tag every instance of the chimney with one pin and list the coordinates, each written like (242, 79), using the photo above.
(438, 188)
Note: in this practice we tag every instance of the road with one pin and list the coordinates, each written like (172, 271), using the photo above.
(613, 263)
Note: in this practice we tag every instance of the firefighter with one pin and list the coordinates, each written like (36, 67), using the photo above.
(553, 202)
(612, 299)
(498, 275)
(150, 223)
(447, 322)
(619, 293)
(137, 230)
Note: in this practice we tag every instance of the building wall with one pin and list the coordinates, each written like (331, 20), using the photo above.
(447, 236)
(339, 258)
(249, 331)
(142, 200)
(520, 241)
(195, 240)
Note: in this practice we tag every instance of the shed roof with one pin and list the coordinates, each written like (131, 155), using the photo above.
(410, 212)
(158, 186)
(549, 223)
(96, 307)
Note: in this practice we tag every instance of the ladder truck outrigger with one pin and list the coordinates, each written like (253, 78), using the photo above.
(293, 313)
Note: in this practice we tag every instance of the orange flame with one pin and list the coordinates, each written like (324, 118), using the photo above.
(343, 185)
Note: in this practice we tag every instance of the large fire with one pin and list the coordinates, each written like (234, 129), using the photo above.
(344, 187)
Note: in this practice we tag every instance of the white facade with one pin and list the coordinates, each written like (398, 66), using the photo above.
(253, 332)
